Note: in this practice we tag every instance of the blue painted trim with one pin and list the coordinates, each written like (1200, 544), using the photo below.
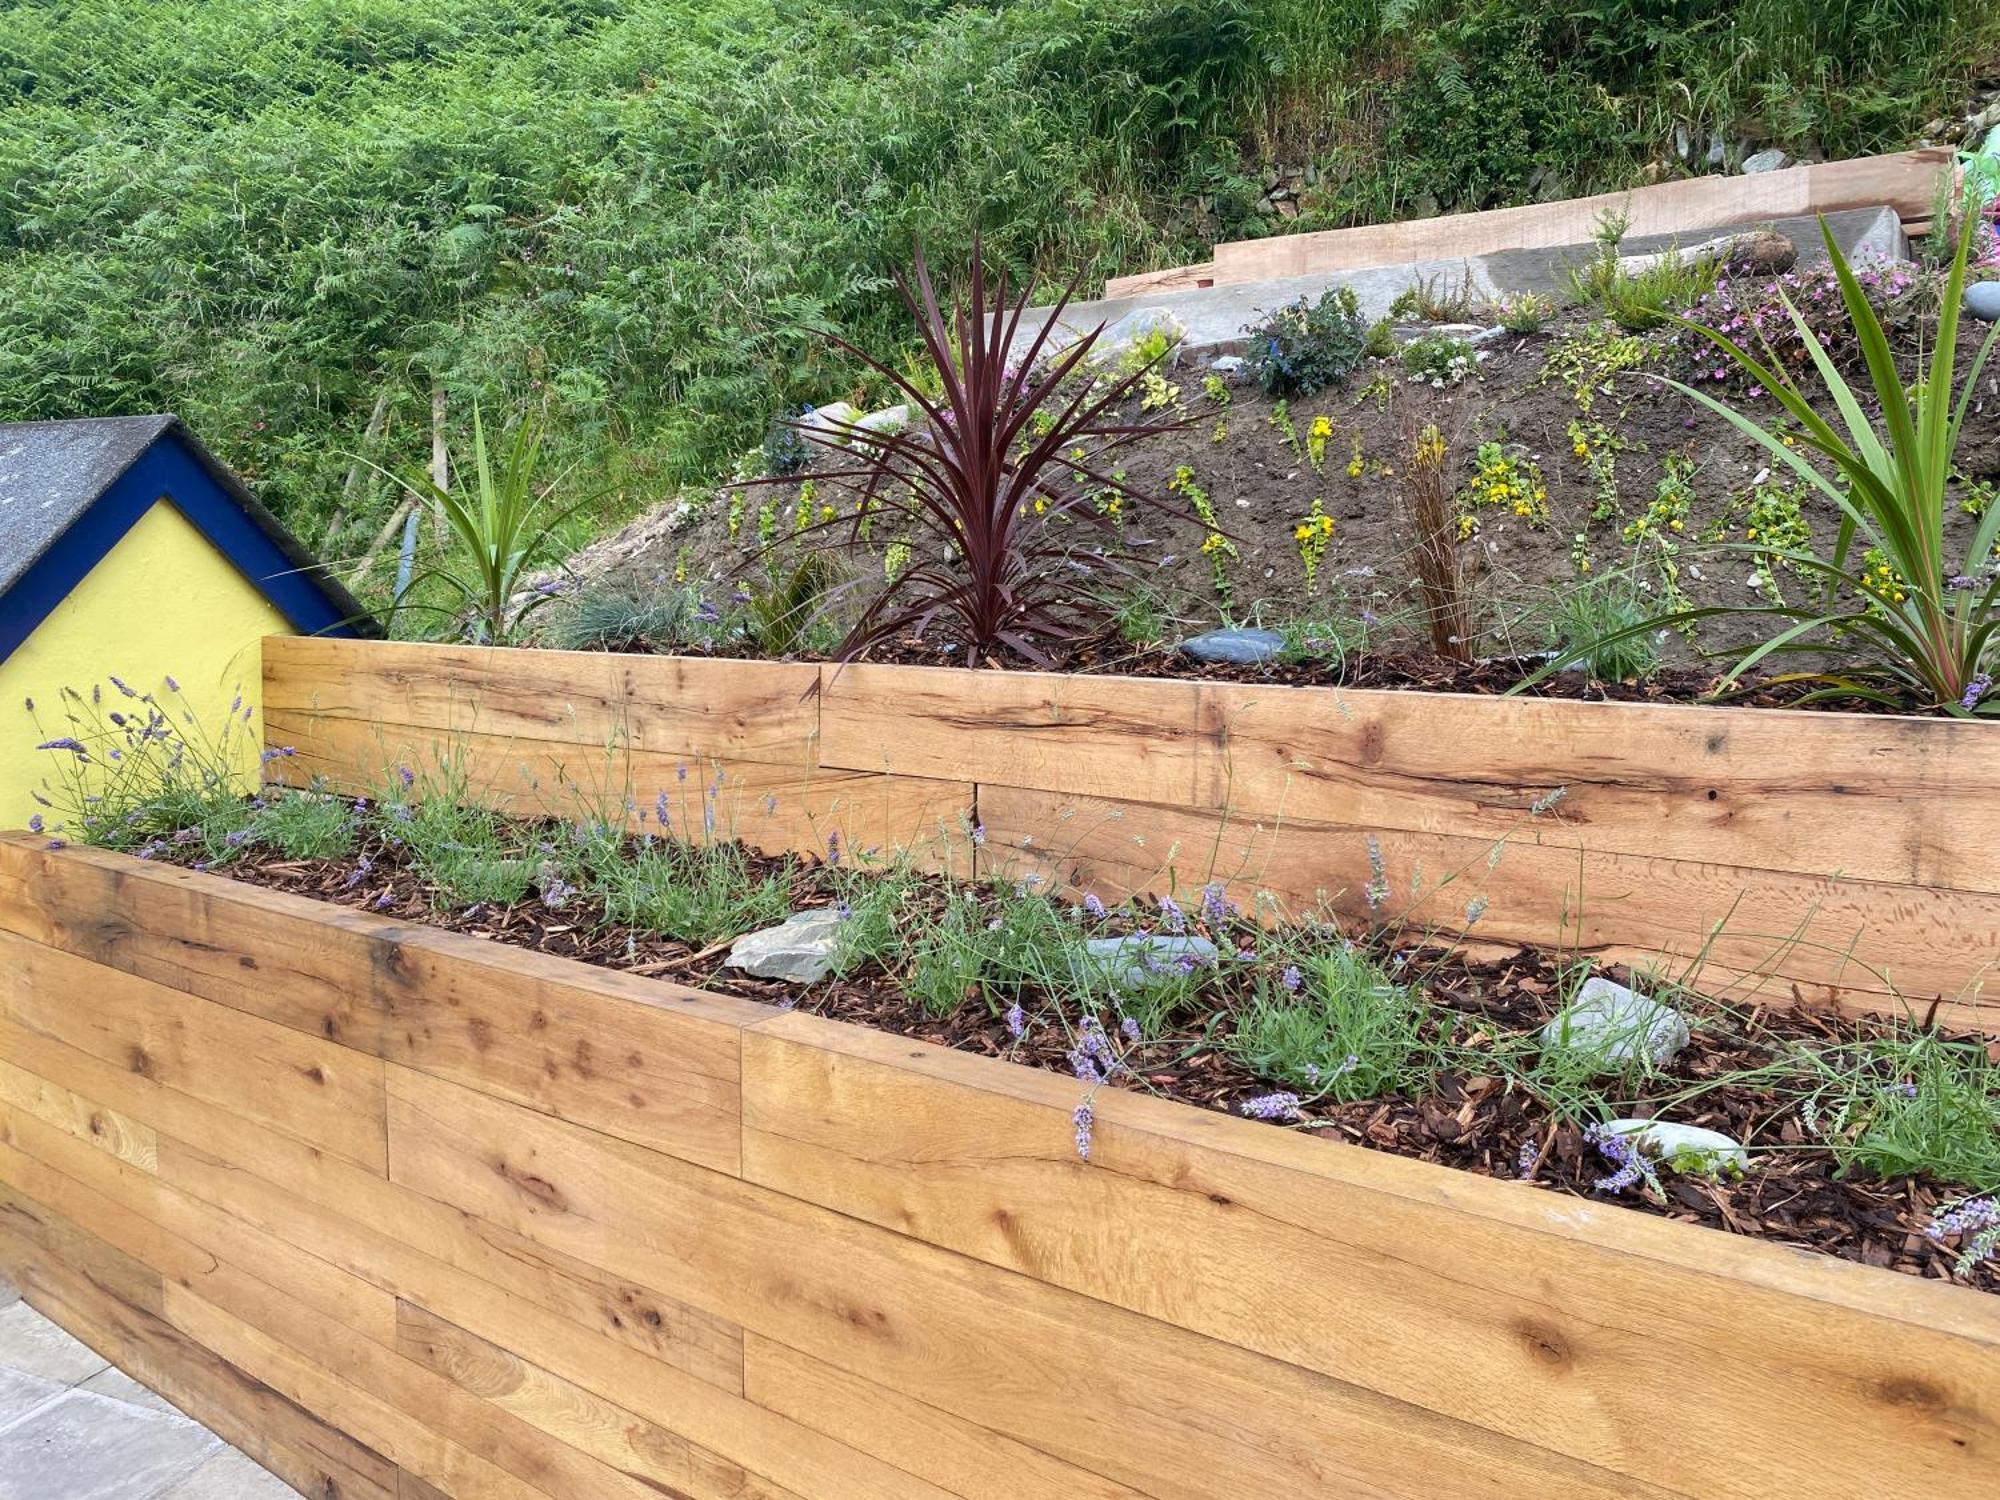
(165, 471)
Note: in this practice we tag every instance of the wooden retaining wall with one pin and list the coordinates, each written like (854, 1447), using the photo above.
(1847, 857)
(407, 1214)
(1904, 180)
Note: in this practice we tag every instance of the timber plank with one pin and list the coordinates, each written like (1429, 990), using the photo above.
(966, 1459)
(986, 1345)
(314, 1458)
(606, 1431)
(1721, 785)
(1867, 945)
(651, 1062)
(125, 1139)
(323, 1094)
(1568, 1325)
(669, 705)
(776, 808)
(1904, 180)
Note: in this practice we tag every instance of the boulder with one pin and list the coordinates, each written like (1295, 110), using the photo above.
(1614, 1025)
(1238, 647)
(888, 421)
(1684, 1148)
(801, 948)
(1133, 963)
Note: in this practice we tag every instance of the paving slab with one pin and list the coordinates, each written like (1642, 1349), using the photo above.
(230, 1476)
(31, 1343)
(114, 1382)
(22, 1393)
(87, 1447)
(1214, 317)
(9, 1293)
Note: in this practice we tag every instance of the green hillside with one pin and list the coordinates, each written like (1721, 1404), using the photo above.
(640, 215)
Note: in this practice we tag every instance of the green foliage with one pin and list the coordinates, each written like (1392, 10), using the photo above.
(1433, 299)
(1439, 360)
(1590, 626)
(1645, 298)
(503, 527)
(1522, 312)
(467, 852)
(786, 450)
(310, 824)
(1910, 1104)
(1306, 346)
(625, 618)
(1345, 1032)
(696, 893)
(786, 615)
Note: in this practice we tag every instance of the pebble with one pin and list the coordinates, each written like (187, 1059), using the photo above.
(800, 949)
(1685, 1148)
(1982, 300)
(1242, 648)
(1612, 1023)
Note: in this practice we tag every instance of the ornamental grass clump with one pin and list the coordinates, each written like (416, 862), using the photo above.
(1928, 642)
(1000, 491)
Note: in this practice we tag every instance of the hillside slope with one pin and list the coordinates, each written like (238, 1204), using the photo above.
(283, 218)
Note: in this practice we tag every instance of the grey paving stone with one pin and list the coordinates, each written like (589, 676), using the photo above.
(9, 1293)
(87, 1447)
(230, 1476)
(114, 1382)
(30, 1342)
(21, 1393)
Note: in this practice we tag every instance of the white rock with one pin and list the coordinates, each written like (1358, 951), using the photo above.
(1615, 1025)
(801, 948)
(889, 420)
(1226, 364)
(1766, 161)
(1132, 963)
(834, 418)
(1684, 1148)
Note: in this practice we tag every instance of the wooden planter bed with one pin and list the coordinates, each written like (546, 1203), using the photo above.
(405, 1213)
(1825, 856)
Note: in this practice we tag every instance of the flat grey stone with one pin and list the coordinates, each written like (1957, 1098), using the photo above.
(1982, 300)
(801, 948)
(1243, 648)
(115, 1383)
(1134, 962)
(1684, 1148)
(81, 1445)
(888, 421)
(1770, 160)
(30, 1342)
(230, 1476)
(9, 1293)
(1615, 1025)
(21, 1393)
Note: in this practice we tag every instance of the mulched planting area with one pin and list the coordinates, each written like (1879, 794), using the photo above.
(1480, 1121)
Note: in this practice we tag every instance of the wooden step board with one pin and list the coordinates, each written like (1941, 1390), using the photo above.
(1905, 181)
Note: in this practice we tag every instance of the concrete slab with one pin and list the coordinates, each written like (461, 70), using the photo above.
(114, 1382)
(22, 1393)
(1215, 317)
(9, 1293)
(31, 1343)
(86, 1447)
(230, 1476)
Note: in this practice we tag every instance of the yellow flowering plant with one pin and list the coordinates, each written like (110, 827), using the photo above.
(1313, 535)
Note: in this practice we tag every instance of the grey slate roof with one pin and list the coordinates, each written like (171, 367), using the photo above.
(52, 472)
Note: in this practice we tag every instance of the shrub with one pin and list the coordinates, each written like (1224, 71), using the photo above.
(1772, 319)
(784, 616)
(1522, 312)
(1590, 624)
(1439, 360)
(1013, 457)
(1306, 346)
(621, 618)
(1333, 1025)
(786, 451)
(1638, 300)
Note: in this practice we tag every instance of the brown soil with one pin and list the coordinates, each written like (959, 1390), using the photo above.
(1474, 1121)
(1262, 487)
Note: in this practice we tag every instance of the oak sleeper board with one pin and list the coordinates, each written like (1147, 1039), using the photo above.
(846, 1264)
(1788, 855)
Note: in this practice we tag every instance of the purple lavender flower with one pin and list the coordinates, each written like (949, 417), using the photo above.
(128, 692)
(1017, 1023)
(1291, 979)
(35, 823)
(67, 742)
(1623, 1153)
(1378, 875)
(1214, 909)
(1129, 1028)
(1085, 1120)
(1093, 907)
(1279, 1106)
(1525, 1162)
(1172, 918)
(1975, 690)
(979, 835)
(172, 686)
(407, 776)
(833, 848)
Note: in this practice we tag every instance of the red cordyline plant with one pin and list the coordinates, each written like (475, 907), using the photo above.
(998, 482)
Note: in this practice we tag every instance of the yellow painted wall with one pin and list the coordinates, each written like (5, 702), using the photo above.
(163, 603)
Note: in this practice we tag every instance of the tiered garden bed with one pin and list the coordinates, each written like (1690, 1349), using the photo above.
(402, 1208)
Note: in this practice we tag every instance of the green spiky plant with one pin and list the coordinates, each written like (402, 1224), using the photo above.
(1928, 640)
